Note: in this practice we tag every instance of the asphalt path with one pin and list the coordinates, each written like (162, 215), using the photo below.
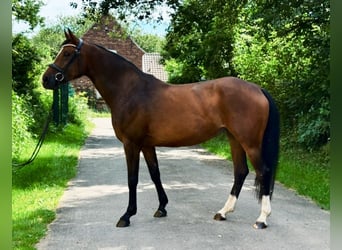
(197, 184)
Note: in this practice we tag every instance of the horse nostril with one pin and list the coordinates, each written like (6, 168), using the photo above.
(45, 79)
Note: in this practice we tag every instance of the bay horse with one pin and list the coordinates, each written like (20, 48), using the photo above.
(147, 112)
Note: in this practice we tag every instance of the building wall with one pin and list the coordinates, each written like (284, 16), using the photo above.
(108, 34)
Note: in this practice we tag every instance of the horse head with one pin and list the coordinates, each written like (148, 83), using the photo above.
(67, 65)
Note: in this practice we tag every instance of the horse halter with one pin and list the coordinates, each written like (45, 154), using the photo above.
(59, 76)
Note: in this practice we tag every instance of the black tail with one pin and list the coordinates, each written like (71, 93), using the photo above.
(270, 145)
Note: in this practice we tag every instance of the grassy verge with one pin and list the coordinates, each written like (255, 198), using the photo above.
(37, 188)
(100, 114)
(307, 173)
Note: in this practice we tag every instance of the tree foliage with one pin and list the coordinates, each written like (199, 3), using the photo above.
(284, 46)
(27, 11)
(281, 45)
(123, 9)
(50, 38)
(26, 71)
(148, 42)
(200, 37)
(25, 58)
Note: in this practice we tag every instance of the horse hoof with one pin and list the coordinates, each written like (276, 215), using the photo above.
(122, 223)
(160, 213)
(260, 225)
(219, 217)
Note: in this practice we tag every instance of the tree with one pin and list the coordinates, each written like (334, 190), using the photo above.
(284, 46)
(24, 55)
(146, 9)
(149, 43)
(25, 63)
(201, 37)
(25, 58)
(27, 11)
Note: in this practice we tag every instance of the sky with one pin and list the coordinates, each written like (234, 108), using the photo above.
(53, 9)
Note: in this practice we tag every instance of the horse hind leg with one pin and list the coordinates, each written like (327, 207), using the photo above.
(152, 164)
(240, 173)
(265, 162)
(265, 212)
(264, 186)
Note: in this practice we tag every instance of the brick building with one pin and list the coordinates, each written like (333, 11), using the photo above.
(107, 32)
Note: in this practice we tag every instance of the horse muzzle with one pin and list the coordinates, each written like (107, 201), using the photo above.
(53, 81)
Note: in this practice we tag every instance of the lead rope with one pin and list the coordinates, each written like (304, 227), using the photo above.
(19, 166)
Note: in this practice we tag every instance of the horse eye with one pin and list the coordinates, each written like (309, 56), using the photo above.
(66, 53)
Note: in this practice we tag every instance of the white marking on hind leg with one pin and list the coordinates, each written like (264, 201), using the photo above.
(228, 206)
(265, 211)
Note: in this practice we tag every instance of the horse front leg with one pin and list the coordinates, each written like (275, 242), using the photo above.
(152, 163)
(132, 158)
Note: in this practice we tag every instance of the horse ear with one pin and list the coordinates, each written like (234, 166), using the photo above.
(67, 36)
(71, 37)
(70, 32)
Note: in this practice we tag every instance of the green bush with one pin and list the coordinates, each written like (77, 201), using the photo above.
(25, 60)
(297, 77)
(22, 119)
(28, 63)
(181, 72)
(78, 109)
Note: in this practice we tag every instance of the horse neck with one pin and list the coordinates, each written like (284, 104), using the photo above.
(113, 76)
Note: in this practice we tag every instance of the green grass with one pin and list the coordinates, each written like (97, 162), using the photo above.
(37, 188)
(99, 114)
(219, 146)
(306, 173)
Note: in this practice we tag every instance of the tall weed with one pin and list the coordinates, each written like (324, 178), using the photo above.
(78, 109)
(22, 119)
